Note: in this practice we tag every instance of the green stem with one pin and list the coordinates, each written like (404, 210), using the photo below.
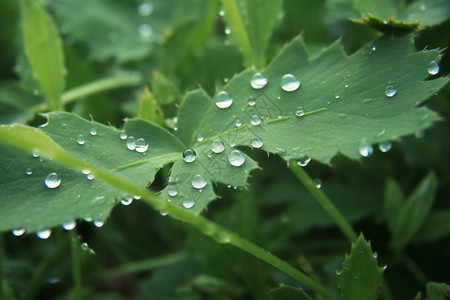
(76, 265)
(323, 200)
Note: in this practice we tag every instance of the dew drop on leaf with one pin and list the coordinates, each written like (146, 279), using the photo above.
(189, 155)
(145, 31)
(227, 31)
(52, 180)
(85, 171)
(365, 149)
(217, 146)
(44, 234)
(18, 231)
(433, 68)
(251, 101)
(98, 223)
(80, 139)
(200, 138)
(238, 123)
(337, 96)
(35, 153)
(127, 199)
(223, 99)
(385, 146)
(256, 142)
(318, 183)
(390, 91)
(289, 83)
(236, 158)
(198, 182)
(69, 225)
(93, 131)
(28, 171)
(145, 9)
(140, 145)
(90, 176)
(187, 202)
(172, 190)
(346, 85)
(255, 120)
(131, 143)
(303, 160)
(299, 112)
(122, 135)
(258, 81)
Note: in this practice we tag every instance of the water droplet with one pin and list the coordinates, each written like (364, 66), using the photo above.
(255, 120)
(338, 272)
(385, 146)
(141, 145)
(187, 202)
(172, 190)
(98, 223)
(251, 101)
(35, 153)
(346, 85)
(227, 31)
(299, 112)
(342, 116)
(423, 7)
(18, 231)
(236, 158)
(90, 176)
(85, 247)
(93, 131)
(122, 135)
(217, 146)
(289, 83)
(36, 92)
(85, 171)
(256, 142)
(375, 255)
(337, 96)
(137, 197)
(238, 123)
(221, 12)
(80, 139)
(365, 149)
(318, 183)
(223, 100)
(198, 182)
(200, 138)
(145, 31)
(69, 225)
(374, 48)
(258, 81)
(384, 267)
(44, 234)
(127, 199)
(28, 171)
(131, 143)
(52, 180)
(303, 160)
(145, 9)
(433, 68)
(189, 155)
(390, 91)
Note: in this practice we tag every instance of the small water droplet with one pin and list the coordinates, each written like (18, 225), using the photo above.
(44, 234)
(221, 12)
(18, 231)
(375, 255)
(423, 7)
(28, 171)
(255, 120)
(172, 190)
(303, 160)
(384, 267)
(80, 139)
(36, 92)
(189, 155)
(90, 176)
(52, 180)
(187, 202)
(223, 99)
(137, 197)
(217, 146)
(374, 48)
(236, 158)
(337, 96)
(251, 101)
(85, 171)
(140, 145)
(346, 85)
(385, 146)
(198, 182)
(127, 199)
(299, 112)
(227, 31)
(258, 81)
(131, 143)
(145, 9)
(69, 225)
(85, 247)
(238, 123)
(122, 135)
(433, 68)
(98, 223)
(289, 83)
(256, 142)
(365, 149)
(35, 153)
(199, 138)
(390, 91)
(145, 31)
(318, 183)
(338, 272)
(93, 131)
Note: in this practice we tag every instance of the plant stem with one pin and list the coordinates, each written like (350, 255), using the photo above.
(76, 265)
(324, 201)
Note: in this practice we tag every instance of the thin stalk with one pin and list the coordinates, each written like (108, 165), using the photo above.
(324, 201)
(76, 266)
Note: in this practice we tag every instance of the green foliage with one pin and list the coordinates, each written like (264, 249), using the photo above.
(288, 293)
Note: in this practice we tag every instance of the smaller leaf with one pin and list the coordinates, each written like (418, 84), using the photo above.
(149, 108)
(390, 26)
(436, 226)
(360, 277)
(418, 296)
(393, 200)
(164, 90)
(286, 292)
(438, 291)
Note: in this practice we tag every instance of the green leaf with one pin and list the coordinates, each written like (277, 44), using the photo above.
(360, 277)
(149, 108)
(44, 50)
(438, 291)
(414, 212)
(29, 204)
(393, 201)
(165, 90)
(288, 293)
(251, 23)
(436, 226)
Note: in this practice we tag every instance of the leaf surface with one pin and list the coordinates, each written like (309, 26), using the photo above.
(288, 293)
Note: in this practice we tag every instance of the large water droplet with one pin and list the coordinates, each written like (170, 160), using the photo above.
(172, 190)
(198, 182)
(223, 100)
(141, 145)
(122, 135)
(255, 120)
(256, 142)
(93, 131)
(236, 158)
(385, 146)
(289, 83)
(189, 155)
(365, 149)
(69, 225)
(433, 68)
(299, 112)
(131, 143)
(145, 9)
(44, 234)
(28, 171)
(258, 81)
(187, 202)
(18, 231)
(52, 180)
(303, 160)
(80, 139)
(390, 91)
(127, 199)
(217, 146)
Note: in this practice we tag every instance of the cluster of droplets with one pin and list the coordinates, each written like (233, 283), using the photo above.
(139, 145)
(365, 148)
